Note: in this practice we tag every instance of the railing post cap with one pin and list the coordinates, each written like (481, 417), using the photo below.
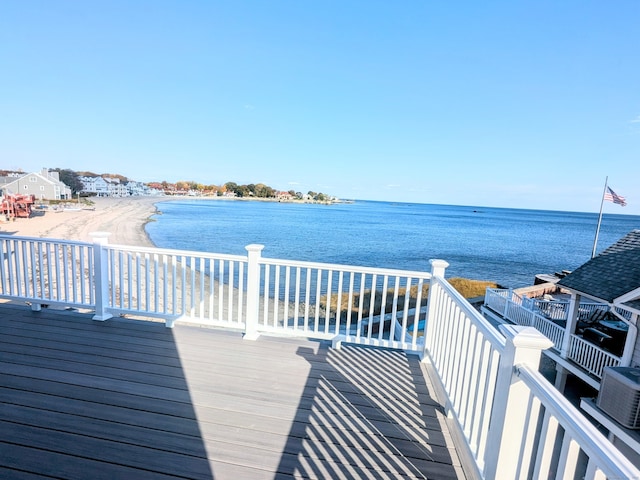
(254, 247)
(438, 267)
(435, 262)
(525, 337)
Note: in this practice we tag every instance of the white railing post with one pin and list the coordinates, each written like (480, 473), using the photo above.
(510, 426)
(438, 267)
(529, 305)
(507, 301)
(629, 344)
(101, 274)
(253, 291)
(572, 323)
(437, 271)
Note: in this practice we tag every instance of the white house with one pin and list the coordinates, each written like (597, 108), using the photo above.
(117, 188)
(140, 189)
(113, 187)
(97, 186)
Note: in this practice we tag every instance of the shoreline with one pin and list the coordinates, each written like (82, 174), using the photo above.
(124, 218)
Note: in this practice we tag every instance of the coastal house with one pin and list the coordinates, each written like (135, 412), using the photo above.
(283, 196)
(104, 186)
(116, 187)
(283, 375)
(140, 189)
(594, 331)
(611, 278)
(43, 185)
(112, 187)
(95, 185)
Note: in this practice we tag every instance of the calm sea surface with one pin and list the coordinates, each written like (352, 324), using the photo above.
(509, 246)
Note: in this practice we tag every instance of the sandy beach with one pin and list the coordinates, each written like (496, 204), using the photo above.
(124, 218)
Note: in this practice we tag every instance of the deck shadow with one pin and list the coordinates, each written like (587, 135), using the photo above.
(366, 412)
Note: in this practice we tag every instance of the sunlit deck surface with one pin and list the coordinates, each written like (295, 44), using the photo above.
(133, 399)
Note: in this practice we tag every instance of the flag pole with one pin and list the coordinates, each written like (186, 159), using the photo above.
(595, 240)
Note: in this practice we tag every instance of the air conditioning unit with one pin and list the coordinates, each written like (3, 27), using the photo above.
(619, 395)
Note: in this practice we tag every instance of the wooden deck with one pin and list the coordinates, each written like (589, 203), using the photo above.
(135, 400)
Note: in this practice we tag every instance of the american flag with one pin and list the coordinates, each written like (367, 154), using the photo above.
(612, 196)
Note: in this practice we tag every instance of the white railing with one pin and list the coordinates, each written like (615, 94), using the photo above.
(560, 441)
(584, 354)
(552, 309)
(514, 423)
(504, 300)
(514, 308)
(249, 293)
(356, 304)
(499, 298)
(43, 271)
(593, 359)
(176, 284)
(486, 377)
(465, 351)
(551, 330)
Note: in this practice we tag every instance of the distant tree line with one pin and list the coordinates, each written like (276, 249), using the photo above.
(259, 190)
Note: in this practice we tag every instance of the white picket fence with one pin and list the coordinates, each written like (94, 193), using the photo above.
(513, 423)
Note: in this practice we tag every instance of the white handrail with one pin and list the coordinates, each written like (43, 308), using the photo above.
(602, 457)
(344, 268)
(465, 351)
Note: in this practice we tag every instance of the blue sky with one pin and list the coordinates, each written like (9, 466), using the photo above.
(526, 104)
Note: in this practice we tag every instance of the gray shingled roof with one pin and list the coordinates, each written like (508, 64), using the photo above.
(635, 304)
(612, 273)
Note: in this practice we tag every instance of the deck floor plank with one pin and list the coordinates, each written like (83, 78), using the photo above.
(132, 399)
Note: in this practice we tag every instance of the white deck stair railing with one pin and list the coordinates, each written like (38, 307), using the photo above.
(512, 422)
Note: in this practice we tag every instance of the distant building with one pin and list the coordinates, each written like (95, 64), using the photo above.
(44, 185)
(96, 186)
(117, 188)
(137, 188)
(112, 187)
(284, 197)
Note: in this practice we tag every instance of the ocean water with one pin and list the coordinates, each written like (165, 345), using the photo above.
(508, 246)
